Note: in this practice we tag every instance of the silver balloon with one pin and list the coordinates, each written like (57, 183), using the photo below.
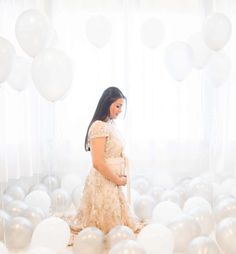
(226, 235)
(181, 191)
(156, 193)
(225, 208)
(60, 200)
(77, 195)
(143, 207)
(18, 233)
(34, 215)
(219, 198)
(16, 208)
(202, 245)
(173, 196)
(6, 200)
(4, 219)
(118, 234)
(184, 229)
(141, 184)
(89, 241)
(39, 186)
(127, 247)
(201, 188)
(16, 192)
(25, 183)
(204, 218)
(51, 182)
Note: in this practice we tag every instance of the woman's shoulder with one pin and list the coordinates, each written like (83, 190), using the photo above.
(99, 128)
(98, 123)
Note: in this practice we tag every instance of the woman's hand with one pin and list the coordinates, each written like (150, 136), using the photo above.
(122, 180)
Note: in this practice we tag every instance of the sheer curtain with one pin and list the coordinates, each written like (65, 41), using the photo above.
(172, 129)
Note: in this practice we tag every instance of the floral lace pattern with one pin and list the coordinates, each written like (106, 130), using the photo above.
(114, 145)
(103, 204)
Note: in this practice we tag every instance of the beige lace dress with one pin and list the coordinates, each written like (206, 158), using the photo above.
(103, 204)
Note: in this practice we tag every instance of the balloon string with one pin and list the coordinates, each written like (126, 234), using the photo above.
(128, 180)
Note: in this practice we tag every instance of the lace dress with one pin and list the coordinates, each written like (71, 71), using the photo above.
(103, 204)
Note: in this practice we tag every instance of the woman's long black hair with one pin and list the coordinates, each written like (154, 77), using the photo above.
(110, 95)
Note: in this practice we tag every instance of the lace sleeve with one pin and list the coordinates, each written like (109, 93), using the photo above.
(98, 129)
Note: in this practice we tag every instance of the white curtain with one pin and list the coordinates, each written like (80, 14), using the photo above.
(172, 129)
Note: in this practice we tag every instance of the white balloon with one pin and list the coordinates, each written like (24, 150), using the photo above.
(52, 73)
(89, 241)
(201, 53)
(17, 208)
(39, 198)
(5, 201)
(201, 245)
(16, 192)
(152, 33)
(18, 233)
(98, 30)
(181, 191)
(184, 229)
(60, 200)
(179, 60)
(32, 31)
(127, 247)
(224, 209)
(217, 31)
(39, 186)
(156, 238)
(35, 215)
(140, 184)
(52, 233)
(219, 198)
(171, 195)
(4, 219)
(218, 68)
(165, 211)
(7, 55)
(156, 192)
(143, 207)
(226, 235)
(196, 202)
(51, 182)
(227, 185)
(76, 196)
(70, 181)
(20, 77)
(204, 218)
(118, 234)
(200, 187)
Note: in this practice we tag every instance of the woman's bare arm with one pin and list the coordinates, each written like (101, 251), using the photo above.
(97, 146)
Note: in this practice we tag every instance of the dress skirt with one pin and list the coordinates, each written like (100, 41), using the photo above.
(103, 204)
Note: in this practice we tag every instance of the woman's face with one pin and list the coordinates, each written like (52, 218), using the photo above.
(116, 108)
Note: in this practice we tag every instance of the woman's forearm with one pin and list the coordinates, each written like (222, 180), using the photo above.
(103, 168)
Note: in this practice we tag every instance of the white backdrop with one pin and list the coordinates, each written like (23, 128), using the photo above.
(171, 128)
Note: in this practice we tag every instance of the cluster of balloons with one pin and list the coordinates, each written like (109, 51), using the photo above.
(26, 210)
(202, 51)
(194, 216)
(50, 68)
(198, 213)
